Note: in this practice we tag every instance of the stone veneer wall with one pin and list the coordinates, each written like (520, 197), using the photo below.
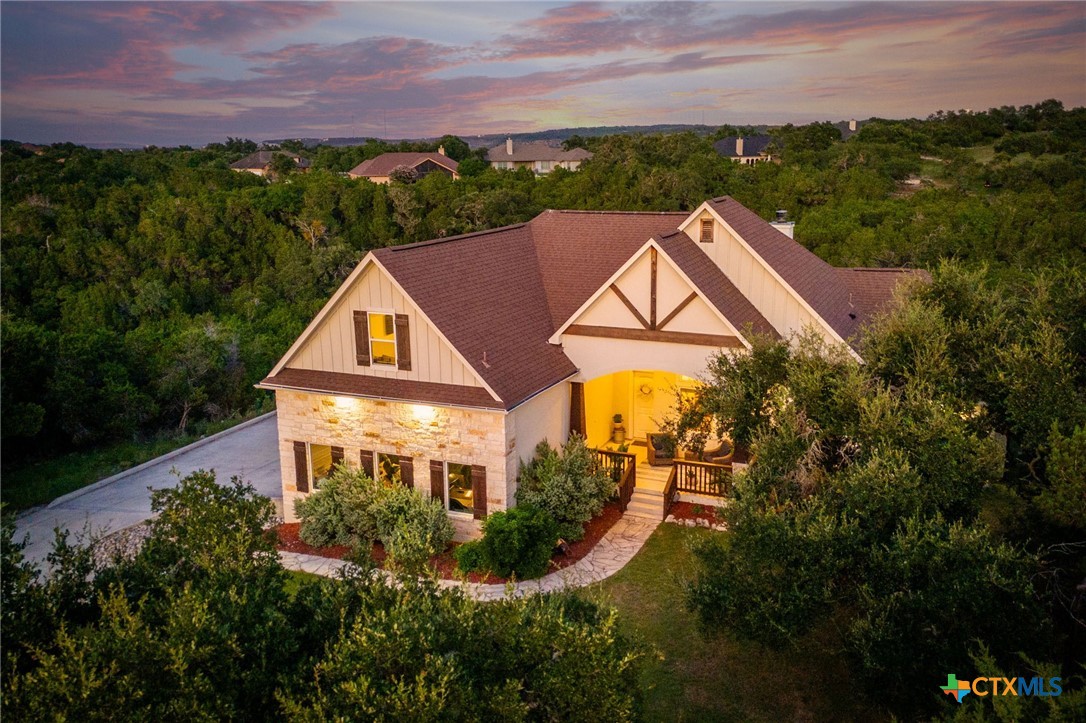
(421, 432)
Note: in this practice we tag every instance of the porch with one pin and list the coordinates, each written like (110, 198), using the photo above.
(649, 490)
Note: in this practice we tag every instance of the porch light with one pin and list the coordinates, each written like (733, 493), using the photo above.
(423, 413)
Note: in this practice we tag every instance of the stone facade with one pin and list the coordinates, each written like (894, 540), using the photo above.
(419, 431)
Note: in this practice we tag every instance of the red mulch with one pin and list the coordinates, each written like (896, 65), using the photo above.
(445, 563)
(691, 511)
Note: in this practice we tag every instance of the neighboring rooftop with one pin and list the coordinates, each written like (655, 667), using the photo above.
(534, 151)
(385, 163)
(751, 146)
(262, 159)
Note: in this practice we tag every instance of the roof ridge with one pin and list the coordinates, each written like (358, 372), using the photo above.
(618, 213)
(458, 237)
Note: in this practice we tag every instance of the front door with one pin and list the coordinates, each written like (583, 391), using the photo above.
(644, 404)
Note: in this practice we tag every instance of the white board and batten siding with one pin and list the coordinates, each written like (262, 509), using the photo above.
(332, 346)
(775, 302)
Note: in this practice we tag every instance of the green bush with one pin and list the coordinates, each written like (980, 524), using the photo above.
(352, 509)
(338, 513)
(412, 528)
(519, 541)
(469, 556)
(569, 485)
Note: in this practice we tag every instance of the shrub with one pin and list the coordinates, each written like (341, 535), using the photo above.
(411, 527)
(352, 509)
(339, 512)
(570, 486)
(519, 541)
(469, 556)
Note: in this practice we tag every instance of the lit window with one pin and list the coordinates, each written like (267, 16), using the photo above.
(388, 469)
(459, 482)
(320, 463)
(383, 339)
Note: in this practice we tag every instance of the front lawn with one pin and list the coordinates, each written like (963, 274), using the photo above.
(722, 678)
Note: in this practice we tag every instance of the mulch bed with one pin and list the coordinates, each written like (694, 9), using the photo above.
(691, 511)
(445, 563)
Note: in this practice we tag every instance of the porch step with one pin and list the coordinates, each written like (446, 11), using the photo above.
(646, 503)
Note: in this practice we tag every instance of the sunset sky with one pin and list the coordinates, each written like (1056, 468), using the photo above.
(178, 72)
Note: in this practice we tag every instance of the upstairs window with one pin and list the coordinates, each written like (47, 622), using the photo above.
(383, 339)
(706, 231)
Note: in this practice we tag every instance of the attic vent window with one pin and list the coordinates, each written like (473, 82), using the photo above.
(706, 230)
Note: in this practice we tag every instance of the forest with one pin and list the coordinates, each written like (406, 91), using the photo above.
(928, 506)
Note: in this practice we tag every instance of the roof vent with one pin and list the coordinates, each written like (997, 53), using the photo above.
(782, 216)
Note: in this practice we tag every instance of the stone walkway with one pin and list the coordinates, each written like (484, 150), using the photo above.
(610, 555)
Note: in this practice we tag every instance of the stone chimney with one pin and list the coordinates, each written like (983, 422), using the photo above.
(509, 146)
(441, 150)
(852, 125)
(738, 146)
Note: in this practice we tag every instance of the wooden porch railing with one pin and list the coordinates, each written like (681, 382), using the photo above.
(622, 468)
(702, 478)
(669, 493)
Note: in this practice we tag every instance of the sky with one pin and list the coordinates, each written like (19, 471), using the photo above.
(173, 73)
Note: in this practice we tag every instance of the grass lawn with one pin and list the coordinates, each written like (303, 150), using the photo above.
(40, 482)
(295, 580)
(719, 678)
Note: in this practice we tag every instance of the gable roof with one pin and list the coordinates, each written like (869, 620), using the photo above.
(499, 296)
(813, 280)
(261, 159)
(384, 164)
(536, 151)
(752, 145)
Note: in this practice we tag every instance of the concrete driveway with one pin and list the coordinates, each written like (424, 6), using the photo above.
(249, 450)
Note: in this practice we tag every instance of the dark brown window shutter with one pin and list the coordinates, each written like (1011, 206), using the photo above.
(576, 409)
(361, 339)
(407, 472)
(301, 467)
(437, 480)
(337, 456)
(365, 458)
(403, 343)
(478, 491)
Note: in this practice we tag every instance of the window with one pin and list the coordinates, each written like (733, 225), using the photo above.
(458, 479)
(320, 463)
(706, 230)
(382, 338)
(388, 469)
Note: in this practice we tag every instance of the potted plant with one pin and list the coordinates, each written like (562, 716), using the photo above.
(618, 432)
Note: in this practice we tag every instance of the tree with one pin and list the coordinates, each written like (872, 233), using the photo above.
(403, 174)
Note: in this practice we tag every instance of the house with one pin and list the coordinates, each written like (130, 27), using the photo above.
(749, 150)
(259, 163)
(379, 169)
(849, 128)
(539, 156)
(440, 365)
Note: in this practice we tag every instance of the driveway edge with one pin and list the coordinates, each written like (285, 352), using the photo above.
(157, 460)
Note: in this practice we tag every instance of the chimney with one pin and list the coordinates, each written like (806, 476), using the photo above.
(783, 225)
(441, 150)
(852, 125)
(738, 146)
(508, 146)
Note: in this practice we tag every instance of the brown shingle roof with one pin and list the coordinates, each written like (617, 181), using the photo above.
(383, 164)
(813, 279)
(720, 291)
(871, 290)
(261, 160)
(536, 151)
(381, 388)
(484, 292)
(579, 250)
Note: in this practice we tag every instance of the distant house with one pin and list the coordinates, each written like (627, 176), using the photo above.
(749, 150)
(259, 163)
(541, 157)
(849, 128)
(378, 169)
